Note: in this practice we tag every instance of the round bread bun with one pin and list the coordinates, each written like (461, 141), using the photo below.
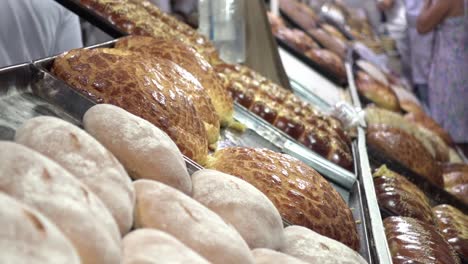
(144, 150)
(242, 205)
(27, 236)
(162, 207)
(312, 247)
(153, 246)
(83, 156)
(45, 186)
(268, 256)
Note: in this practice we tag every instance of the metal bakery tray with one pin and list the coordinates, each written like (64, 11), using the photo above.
(27, 91)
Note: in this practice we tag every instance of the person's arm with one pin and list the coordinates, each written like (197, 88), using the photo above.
(432, 14)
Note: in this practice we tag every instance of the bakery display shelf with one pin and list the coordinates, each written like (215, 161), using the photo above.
(27, 91)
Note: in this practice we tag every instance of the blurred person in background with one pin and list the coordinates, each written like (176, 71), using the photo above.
(34, 29)
(448, 76)
(420, 51)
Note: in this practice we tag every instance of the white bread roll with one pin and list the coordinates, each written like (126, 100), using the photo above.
(27, 236)
(42, 184)
(145, 150)
(165, 208)
(242, 205)
(312, 247)
(153, 246)
(268, 256)
(83, 156)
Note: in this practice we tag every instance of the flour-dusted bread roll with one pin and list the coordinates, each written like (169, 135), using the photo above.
(268, 256)
(242, 205)
(83, 156)
(153, 246)
(42, 184)
(27, 236)
(145, 150)
(163, 207)
(312, 247)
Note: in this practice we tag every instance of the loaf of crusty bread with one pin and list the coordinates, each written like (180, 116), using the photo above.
(301, 195)
(27, 236)
(153, 88)
(83, 156)
(453, 224)
(329, 61)
(413, 241)
(332, 30)
(144, 150)
(376, 92)
(408, 101)
(400, 146)
(313, 248)
(163, 207)
(373, 71)
(329, 42)
(424, 120)
(297, 39)
(187, 57)
(401, 197)
(300, 13)
(153, 246)
(42, 184)
(242, 205)
(456, 180)
(268, 256)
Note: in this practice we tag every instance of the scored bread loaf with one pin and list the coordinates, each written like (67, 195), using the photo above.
(312, 247)
(153, 88)
(144, 150)
(400, 197)
(413, 241)
(42, 184)
(187, 57)
(242, 205)
(301, 195)
(83, 156)
(153, 246)
(268, 256)
(27, 236)
(453, 225)
(167, 209)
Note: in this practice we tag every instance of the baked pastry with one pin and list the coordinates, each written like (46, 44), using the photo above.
(453, 225)
(146, 245)
(300, 13)
(408, 101)
(329, 61)
(27, 236)
(192, 61)
(400, 197)
(456, 180)
(332, 31)
(276, 22)
(301, 195)
(413, 241)
(84, 157)
(311, 247)
(268, 256)
(296, 39)
(373, 71)
(329, 42)
(376, 92)
(242, 205)
(42, 184)
(151, 88)
(286, 111)
(144, 150)
(167, 209)
(424, 120)
(400, 146)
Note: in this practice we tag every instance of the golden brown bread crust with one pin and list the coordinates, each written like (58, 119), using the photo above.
(429, 123)
(453, 225)
(276, 22)
(300, 13)
(413, 241)
(301, 195)
(456, 180)
(329, 61)
(333, 31)
(401, 197)
(406, 149)
(283, 109)
(147, 87)
(376, 92)
(296, 39)
(329, 41)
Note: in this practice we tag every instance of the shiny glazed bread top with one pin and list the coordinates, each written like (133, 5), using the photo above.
(302, 195)
(147, 87)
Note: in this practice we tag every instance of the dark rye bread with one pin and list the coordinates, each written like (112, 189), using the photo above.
(301, 195)
(400, 146)
(401, 197)
(413, 241)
